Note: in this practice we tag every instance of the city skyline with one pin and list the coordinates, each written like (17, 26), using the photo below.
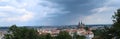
(56, 12)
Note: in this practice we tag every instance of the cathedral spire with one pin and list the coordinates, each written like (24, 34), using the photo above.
(80, 25)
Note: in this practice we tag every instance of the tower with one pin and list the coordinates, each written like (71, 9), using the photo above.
(80, 25)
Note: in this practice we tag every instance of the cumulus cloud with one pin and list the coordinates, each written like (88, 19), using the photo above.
(26, 11)
(55, 12)
(99, 18)
(101, 9)
(103, 14)
(15, 15)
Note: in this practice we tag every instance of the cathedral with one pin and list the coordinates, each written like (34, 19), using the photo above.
(84, 32)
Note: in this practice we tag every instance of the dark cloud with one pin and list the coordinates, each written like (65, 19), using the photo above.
(53, 12)
(77, 10)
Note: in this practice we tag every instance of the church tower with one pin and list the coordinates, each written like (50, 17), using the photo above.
(80, 25)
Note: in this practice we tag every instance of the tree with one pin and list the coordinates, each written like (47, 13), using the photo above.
(21, 33)
(114, 31)
(116, 25)
(48, 36)
(64, 35)
(76, 36)
(116, 20)
(80, 37)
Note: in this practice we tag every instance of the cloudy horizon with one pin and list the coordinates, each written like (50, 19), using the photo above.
(56, 12)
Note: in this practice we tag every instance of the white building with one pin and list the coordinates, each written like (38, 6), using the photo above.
(89, 34)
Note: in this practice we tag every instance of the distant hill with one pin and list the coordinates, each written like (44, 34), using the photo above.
(63, 26)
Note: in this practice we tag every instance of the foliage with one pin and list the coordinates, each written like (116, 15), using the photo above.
(28, 33)
(116, 25)
(76, 36)
(64, 35)
(112, 32)
(46, 36)
(21, 33)
(80, 37)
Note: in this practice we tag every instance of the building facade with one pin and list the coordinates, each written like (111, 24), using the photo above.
(80, 30)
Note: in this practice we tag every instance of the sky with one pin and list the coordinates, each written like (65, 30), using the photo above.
(56, 12)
